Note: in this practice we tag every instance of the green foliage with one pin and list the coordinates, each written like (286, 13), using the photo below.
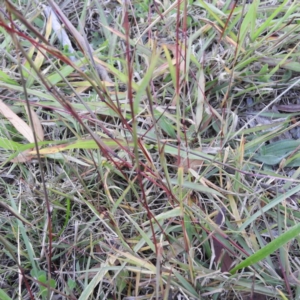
(41, 277)
(4, 296)
(270, 248)
(276, 152)
(154, 163)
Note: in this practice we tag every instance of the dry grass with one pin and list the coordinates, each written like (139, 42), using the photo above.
(151, 151)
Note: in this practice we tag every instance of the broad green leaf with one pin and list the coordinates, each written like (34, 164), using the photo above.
(4, 77)
(84, 144)
(291, 65)
(71, 284)
(9, 144)
(19, 88)
(165, 124)
(91, 144)
(196, 187)
(42, 277)
(191, 154)
(269, 159)
(4, 296)
(175, 212)
(269, 248)
(56, 77)
(97, 107)
(294, 161)
(122, 77)
(272, 154)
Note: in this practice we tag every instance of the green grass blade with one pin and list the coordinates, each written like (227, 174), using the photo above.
(270, 205)
(186, 284)
(197, 187)
(267, 23)
(4, 296)
(269, 248)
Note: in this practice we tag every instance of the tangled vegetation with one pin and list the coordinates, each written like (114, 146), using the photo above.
(149, 149)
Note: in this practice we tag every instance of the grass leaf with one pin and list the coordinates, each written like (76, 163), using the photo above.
(269, 248)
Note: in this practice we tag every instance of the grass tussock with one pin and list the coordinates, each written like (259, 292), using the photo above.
(149, 150)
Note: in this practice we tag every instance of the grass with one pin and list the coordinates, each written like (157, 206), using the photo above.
(149, 150)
